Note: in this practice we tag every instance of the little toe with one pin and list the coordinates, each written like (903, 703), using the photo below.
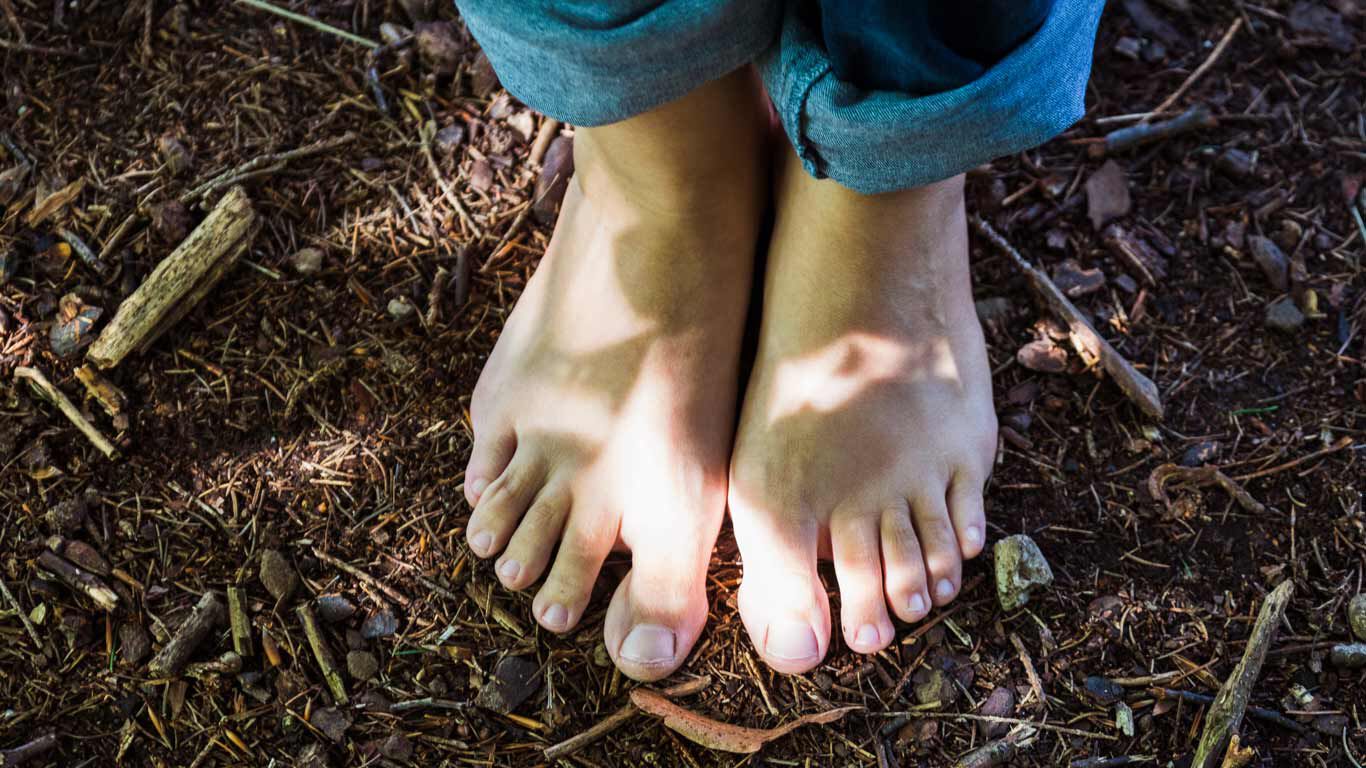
(855, 547)
(561, 601)
(782, 602)
(489, 456)
(529, 551)
(904, 566)
(659, 609)
(503, 503)
(968, 515)
(939, 543)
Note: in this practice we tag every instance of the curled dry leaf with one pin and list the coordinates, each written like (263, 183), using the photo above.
(714, 734)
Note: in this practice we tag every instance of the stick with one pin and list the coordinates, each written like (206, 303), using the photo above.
(318, 643)
(207, 614)
(83, 251)
(26, 752)
(23, 617)
(13, 19)
(1261, 713)
(1007, 720)
(1035, 685)
(390, 592)
(616, 719)
(40, 50)
(1193, 119)
(111, 398)
(255, 166)
(314, 23)
(1199, 71)
(549, 128)
(1342, 442)
(240, 623)
(425, 137)
(48, 392)
(1137, 387)
(1226, 713)
(80, 579)
(180, 281)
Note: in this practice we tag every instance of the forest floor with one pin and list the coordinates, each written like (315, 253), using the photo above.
(310, 413)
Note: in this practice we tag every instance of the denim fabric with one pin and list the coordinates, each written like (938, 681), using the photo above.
(873, 112)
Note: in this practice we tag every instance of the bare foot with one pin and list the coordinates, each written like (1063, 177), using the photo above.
(868, 429)
(605, 414)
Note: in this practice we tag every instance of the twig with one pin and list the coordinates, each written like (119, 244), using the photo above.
(549, 127)
(425, 138)
(1261, 713)
(1139, 388)
(80, 579)
(1035, 685)
(26, 752)
(390, 592)
(429, 702)
(40, 50)
(1199, 71)
(1110, 762)
(83, 251)
(13, 18)
(306, 21)
(318, 643)
(1193, 119)
(1199, 477)
(1007, 720)
(616, 719)
(239, 622)
(484, 599)
(1342, 442)
(23, 616)
(48, 392)
(207, 614)
(264, 163)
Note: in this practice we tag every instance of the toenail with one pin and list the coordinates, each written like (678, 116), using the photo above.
(973, 535)
(477, 488)
(556, 616)
(944, 589)
(510, 570)
(791, 641)
(648, 644)
(917, 604)
(867, 636)
(482, 542)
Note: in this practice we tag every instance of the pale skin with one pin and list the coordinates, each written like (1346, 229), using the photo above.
(605, 417)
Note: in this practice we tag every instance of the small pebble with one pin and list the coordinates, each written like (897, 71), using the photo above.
(1349, 655)
(1104, 690)
(1000, 703)
(277, 575)
(362, 665)
(1020, 569)
(1282, 315)
(381, 623)
(514, 680)
(401, 309)
(307, 261)
(334, 608)
(1356, 616)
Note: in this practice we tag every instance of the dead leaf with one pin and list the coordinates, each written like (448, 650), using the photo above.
(714, 734)
(1107, 194)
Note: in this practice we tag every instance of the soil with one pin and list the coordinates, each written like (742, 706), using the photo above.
(320, 414)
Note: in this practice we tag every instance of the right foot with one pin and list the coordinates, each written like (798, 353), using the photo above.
(605, 414)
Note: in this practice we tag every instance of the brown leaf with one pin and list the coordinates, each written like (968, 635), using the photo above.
(714, 734)
(1107, 194)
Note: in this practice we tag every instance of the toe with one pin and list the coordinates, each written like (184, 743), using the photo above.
(488, 458)
(855, 548)
(968, 515)
(502, 504)
(659, 609)
(904, 566)
(939, 544)
(782, 601)
(529, 551)
(561, 601)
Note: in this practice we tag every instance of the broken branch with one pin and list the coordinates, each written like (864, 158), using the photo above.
(50, 393)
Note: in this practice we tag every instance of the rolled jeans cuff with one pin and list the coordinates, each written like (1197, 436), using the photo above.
(875, 141)
(595, 63)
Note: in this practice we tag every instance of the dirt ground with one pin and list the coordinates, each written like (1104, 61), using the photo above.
(309, 414)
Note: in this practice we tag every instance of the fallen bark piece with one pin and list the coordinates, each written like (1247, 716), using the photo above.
(1271, 260)
(1349, 655)
(207, 614)
(239, 621)
(1193, 119)
(514, 680)
(1226, 713)
(43, 209)
(1199, 477)
(180, 281)
(318, 643)
(50, 393)
(111, 398)
(714, 734)
(1139, 388)
(79, 579)
(1135, 253)
(1107, 194)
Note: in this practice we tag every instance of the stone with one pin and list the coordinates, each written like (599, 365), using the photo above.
(334, 608)
(1129, 48)
(1107, 194)
(514, 680)
(401, 309)
(1042, 355)
(437, 46)
(332, 722)
(1020, 569)
(1200, 454)
(1349, 655)
(177, 158)
(1075, 281)
(1356, 616)
(171, 221)
(1104, 690)
(1000, 703)
(933, 686)
(1271, 260)
(397, 747)
(277, 575)
(362, 665)
(1282, 315)
(381, 623)
(307, 261)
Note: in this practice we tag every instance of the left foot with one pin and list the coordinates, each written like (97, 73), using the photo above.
(868, 430)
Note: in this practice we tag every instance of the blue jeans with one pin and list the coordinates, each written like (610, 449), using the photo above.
(878, 95)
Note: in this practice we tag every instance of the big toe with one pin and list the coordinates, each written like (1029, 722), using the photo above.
(782, 601)
(655, 618)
